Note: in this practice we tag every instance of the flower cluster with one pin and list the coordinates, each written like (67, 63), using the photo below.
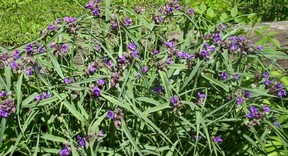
(6, 107)
(71, 24)
(59, 49)
(55, 27)
(255, 115)
(116, 115)
(175, 102)
(94, 7)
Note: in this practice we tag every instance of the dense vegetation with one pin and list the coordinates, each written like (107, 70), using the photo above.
(116, 81)
(22, 20)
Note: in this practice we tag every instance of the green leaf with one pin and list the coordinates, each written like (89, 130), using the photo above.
(210, 12)
(216, 82)
(203, 7)
(53, 138)
(74, 112)
(234, 11)
(223, 16)
(276, 43)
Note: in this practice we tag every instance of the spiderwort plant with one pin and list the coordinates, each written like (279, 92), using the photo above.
(112, 78)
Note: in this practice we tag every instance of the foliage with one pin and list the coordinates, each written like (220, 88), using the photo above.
(116, 81)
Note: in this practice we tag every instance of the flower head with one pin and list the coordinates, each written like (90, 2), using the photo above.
(81, 141)
(174, 100)
(65, 152)
(3, 94)
(110, 114)
(16, 54)
(190, 11)
(217, 139)
(145, 69)
(224, 75)
(101, 82)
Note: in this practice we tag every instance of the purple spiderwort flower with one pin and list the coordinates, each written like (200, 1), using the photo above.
(69, 20)
(169, 60)
(265, 75)
(29, 71)
(266, 108)
(223, 26)
(242, 38)
(156, 52)
(38, 97)
(65, 152)
(247, 94)
(98, 47)
(217, 139)
(135, 53)
(41, 49)
(64, 47)
(182, 55)
(204, 54)
(233, 47)
(282, 93)
(13, 65)
(121, 59)
(90, 5)
(101, 82)
(132, 46)
(29, 48)
(81, 141)
(46, 95)
(201, 95)
(51, 27)
(16, 54)
(92, 69)
(260, 48)
(145, 69)
(267, 82)
(252, 113)
(96, 12)
(224, 75)
(127, 21)
(170, 44)
(3, 94)
(67, 80)
(110, 114)
(240, 100)
(174, 100)
(190, 11)
(4, 112)
(96, 91)
(277, 124)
